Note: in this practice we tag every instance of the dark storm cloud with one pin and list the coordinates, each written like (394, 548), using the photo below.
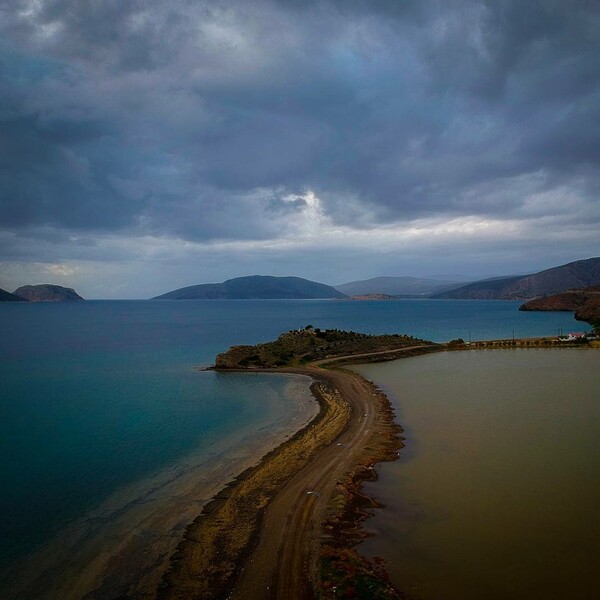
(205, 120)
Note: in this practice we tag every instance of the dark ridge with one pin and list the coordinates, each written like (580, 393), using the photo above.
(577, 274)
(397, 286)
(8, 297)
(47, 292)
(259, 287)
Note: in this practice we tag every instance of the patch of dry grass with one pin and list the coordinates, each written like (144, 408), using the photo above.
(215, 544)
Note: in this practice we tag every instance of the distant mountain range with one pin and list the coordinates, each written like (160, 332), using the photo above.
(577, 274)
(486, 289)
(397, 286)
(255, 287)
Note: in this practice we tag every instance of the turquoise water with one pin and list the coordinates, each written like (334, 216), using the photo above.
(496, 492)
(98, 394)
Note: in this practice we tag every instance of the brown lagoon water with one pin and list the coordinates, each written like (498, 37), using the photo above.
(497, 491)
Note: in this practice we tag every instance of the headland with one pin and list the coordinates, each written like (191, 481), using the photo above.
(289, 527)
(584, 302)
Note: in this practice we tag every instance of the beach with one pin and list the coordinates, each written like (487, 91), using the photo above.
(313, 461)
(265, 535)
(124, 545)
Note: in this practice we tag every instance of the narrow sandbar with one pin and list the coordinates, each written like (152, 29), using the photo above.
(301, 507)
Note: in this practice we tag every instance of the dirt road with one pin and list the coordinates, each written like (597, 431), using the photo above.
(383, 354)
(262, 534)
(282, 564)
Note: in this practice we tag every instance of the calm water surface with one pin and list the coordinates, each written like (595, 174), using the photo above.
(97, 395)
(497, 490)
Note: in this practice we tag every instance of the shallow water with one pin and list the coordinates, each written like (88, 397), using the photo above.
(100, 396)
(496, 492)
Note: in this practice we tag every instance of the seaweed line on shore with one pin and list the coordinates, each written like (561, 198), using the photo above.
(343, 571)
(214, 573)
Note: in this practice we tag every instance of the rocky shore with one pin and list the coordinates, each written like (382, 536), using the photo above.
(585, 302)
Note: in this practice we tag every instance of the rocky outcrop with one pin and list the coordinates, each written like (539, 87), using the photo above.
(47, 292)
(584, 302)
(567, 301)
(302, 346)
(590, 311)
(235, 358)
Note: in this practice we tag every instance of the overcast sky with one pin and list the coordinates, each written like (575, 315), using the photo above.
(148, 145)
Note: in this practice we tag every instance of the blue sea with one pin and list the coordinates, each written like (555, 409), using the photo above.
(97, 396)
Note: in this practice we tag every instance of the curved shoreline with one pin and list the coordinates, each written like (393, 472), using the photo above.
(121, 547)
(307, 490)
(210, 557)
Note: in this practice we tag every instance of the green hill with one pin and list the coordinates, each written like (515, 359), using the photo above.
(302, 346)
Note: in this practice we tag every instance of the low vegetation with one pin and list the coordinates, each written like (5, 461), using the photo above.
(301, 346)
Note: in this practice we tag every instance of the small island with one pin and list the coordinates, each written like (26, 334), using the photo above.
(47, 292)
(362, 297)
(255, 287)
(311, 484)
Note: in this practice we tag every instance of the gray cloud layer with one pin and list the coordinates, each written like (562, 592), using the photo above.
(208, 122)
